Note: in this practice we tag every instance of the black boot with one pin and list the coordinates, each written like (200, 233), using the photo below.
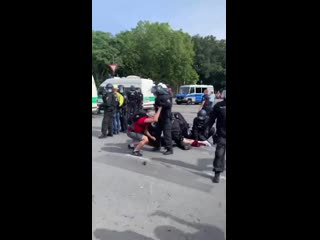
(216, 178)
(110, 135)
(137, 153)
(168, 152)
(102, 136)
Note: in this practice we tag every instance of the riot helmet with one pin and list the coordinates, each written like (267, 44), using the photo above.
(202, 114)
(121, 89)
(132, 88)
(109, 88)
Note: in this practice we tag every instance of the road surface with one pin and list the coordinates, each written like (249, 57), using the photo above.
(170, 198)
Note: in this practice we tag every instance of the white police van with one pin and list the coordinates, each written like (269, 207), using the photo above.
(192, 93)
(144, 84)
(94, 97)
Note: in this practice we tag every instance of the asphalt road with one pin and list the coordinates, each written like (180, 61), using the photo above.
(170, 198)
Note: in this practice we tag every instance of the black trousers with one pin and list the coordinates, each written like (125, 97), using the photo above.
(219, 160)
(205, 135)
(165, 127)
(132, 109)
(123, 119)
(178, 139)
(107, 123)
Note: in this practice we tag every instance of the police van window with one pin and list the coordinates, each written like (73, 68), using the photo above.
(184, 90)
(191, 89)
(198, 90)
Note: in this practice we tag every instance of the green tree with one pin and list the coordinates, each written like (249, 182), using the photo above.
(210, 60)
(105, 50)
(156, 51)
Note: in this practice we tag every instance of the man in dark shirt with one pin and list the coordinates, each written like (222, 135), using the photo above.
(219, 114)
(205, 103)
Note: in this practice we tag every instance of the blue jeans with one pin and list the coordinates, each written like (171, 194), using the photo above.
(116, 123)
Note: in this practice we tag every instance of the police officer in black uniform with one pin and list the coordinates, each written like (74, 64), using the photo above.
(133, 101)
(201, 131)
(123, 110)
(164, 100)
(219, 114)
(110, 102)
(140, 99)
(177, 132)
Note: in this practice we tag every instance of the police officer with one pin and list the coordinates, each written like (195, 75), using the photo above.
(201, 131)
(133, 101)
(219, 114)
(140, 99)
(123, 109)
(110, 102)
(164, 100)
(177, 131)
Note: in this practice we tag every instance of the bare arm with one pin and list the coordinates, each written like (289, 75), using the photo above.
(146, 132)
(154, 118)
(201, 106)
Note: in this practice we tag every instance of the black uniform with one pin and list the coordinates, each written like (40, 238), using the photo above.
(133, 104)
(179, 131)
(219, 114)
(110, 102)
(140, 99)
(164, 100)
(201, 130)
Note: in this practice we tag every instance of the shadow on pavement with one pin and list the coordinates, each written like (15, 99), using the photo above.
(204, 231)
(202, 174)
(201, 166)
(106, 234)
(117, 148)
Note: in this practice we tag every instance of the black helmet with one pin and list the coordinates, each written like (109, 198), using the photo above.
(154, 89)
(121, 89)
(202, 114)
(109, 88)
(159, 90)
(132, 88)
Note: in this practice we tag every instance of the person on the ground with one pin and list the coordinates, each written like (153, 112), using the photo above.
(200, 128)
(123, 109)
(219, 114)
(140, 132)
(133, 103)
(205, 103)
(116, 115)
(110, 102)
(179, 131)
(164, 100)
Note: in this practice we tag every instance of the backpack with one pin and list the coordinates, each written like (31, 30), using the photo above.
(178, 121)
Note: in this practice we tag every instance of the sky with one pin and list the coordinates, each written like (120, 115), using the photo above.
(203, 17)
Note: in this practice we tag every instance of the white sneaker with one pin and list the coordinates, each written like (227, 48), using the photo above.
(207, 143)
